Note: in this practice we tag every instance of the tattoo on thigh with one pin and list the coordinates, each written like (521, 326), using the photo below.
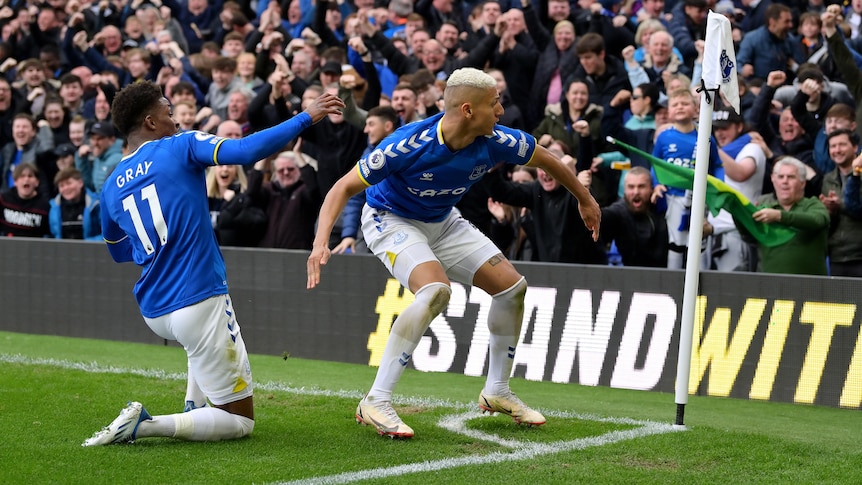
(496, 259)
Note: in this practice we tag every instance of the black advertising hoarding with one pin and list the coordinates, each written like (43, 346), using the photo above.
(764, 337)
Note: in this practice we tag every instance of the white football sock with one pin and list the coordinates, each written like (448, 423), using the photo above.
(504, 323)
(202, 424)
(406, 332)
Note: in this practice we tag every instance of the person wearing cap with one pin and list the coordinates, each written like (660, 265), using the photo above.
(65, 154)
(330, 72)
(74, 212)
(97, 160)
(744, 164)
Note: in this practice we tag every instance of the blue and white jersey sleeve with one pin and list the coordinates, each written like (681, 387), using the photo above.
(412, 173)
(511, 146)
(155, 213)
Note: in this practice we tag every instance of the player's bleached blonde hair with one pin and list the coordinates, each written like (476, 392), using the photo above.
(470, 77)
(462, 85)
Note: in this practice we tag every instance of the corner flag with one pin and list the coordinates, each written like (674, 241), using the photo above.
(719, 59)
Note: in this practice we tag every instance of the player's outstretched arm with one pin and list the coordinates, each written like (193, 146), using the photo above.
(587, 205)
(346, 187)
(264, 143)
(325, 104)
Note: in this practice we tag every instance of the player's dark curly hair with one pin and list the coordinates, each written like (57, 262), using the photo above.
(133, 103)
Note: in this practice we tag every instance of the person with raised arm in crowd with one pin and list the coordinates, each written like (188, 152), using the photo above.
(639, 231)
(290, 199)
(744, 166)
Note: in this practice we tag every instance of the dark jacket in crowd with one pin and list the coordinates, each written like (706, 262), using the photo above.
(641, 239)
(557, 227)
(291, 211)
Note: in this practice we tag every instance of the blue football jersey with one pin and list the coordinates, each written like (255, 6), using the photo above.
(413, 174)
(155, 212)
(678, 148)
(154, 207)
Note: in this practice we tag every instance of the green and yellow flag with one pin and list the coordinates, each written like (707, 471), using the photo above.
(719, 196)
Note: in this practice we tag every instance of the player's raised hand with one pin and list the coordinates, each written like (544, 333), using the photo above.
(319, 256)
(325, 104)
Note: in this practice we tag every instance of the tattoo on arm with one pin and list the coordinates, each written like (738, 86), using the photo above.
(495, 260)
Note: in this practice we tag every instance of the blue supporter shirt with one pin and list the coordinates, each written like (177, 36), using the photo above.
(413, 174)
(155, 212)
(678, 148)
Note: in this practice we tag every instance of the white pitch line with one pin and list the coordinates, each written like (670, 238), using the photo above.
(455, 423)
(524, 451)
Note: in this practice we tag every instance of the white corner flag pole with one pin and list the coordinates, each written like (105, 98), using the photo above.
(719, 73)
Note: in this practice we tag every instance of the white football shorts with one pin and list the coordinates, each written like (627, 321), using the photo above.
(402, 244)
(209, 332)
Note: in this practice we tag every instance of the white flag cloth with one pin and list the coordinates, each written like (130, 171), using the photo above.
(719, 59)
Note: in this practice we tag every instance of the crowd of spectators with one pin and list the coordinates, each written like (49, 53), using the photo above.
(571, 73)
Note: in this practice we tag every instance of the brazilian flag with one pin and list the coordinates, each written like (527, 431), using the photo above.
(719, 196)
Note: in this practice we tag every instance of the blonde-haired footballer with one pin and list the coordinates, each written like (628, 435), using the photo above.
(414, 179)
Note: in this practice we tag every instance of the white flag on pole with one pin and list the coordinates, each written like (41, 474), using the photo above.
(719, 59)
